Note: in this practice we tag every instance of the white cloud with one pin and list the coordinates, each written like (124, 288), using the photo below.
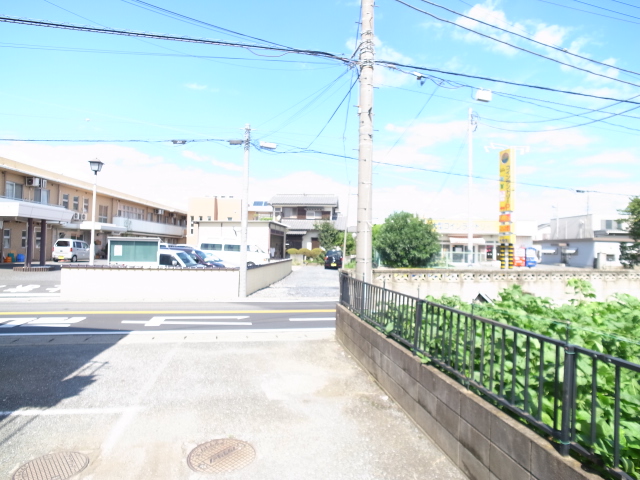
(195, 86)
(554, 139)
(610, 158)
(216, 163)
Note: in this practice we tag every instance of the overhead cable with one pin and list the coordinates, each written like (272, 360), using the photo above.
(395, 65)
(587, 11)
(160, 36)
(559, 49)
(606, 9)
(515, 46)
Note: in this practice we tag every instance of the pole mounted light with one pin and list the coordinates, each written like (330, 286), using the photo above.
(96, 166)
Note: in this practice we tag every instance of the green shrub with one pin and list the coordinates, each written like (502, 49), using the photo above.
(317, 253)
(292, 251)
(305, 251)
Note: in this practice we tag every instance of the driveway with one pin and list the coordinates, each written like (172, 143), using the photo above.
(308, 282)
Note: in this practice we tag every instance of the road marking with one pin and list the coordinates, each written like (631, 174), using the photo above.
(316, 319)
(69, 411)
(39, 321)
(53, 289)
(22, 288)
(157, 321)
(154, 312)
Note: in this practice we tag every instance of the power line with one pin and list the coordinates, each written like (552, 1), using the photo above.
(606, 9)
(160, 36)
(184, 18)
(587, 11)
(511, 44)
(624, 3)
(559, 49)
(394, 66)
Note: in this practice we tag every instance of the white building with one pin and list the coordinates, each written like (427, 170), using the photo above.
(583, 241)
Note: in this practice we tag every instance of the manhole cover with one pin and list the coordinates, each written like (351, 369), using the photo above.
(55, 466)
(220, 456)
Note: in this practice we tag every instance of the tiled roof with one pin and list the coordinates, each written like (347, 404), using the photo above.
(303, 200)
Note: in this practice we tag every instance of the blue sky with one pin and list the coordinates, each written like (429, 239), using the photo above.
(66, 85)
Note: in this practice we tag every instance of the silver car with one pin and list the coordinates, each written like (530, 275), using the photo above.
(69, 249)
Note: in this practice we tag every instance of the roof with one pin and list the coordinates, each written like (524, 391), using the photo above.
(304, 199)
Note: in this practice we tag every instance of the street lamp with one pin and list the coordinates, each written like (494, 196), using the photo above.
(96, 166)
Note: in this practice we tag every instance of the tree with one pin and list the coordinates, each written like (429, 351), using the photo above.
(630, 253)
(328, 236)
(404, 240)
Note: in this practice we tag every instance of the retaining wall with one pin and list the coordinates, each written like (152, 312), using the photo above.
(467, 284)
(484, 442)
(109, 284)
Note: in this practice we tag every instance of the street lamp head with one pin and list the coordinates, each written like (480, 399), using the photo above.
(96, 166)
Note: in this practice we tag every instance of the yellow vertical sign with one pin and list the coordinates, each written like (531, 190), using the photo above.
(507, 179)
(507, 197)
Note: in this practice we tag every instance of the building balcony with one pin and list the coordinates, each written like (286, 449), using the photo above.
(143, 227)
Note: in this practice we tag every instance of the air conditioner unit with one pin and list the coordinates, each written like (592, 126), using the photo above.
(33, 181)
(76, 216)
(83, 216)
(159, 211)
(43, 183)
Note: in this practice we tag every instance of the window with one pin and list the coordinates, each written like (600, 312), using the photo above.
(65, 200)
(311, 214)
(6, 238)
(85, 205)
(103, 213)
(200, 217)
(289, 212)
(76, 203)
(211, 246)
(209, 218)
(38, 239)
(41, 195)
(23, 242)
(229, 218)
(232, 248)
(13, 190)
(611, 258)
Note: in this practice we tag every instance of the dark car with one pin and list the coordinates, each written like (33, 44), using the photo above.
(333, 259)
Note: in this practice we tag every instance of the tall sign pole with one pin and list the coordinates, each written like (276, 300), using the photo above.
(242, 293)
(365, 148)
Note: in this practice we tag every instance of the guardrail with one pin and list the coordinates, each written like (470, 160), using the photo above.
(564, 391)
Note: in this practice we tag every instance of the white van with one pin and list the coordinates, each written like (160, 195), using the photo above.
(69, 249)
(230, 251)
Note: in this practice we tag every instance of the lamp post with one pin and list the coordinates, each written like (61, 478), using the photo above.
(96, 166)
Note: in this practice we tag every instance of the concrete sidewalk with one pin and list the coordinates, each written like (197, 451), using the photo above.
(136, 406)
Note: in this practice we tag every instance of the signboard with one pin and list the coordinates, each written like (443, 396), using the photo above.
(507, 178)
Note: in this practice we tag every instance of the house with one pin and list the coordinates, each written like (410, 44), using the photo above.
(300, 212)
(38, 206)
(583, 241)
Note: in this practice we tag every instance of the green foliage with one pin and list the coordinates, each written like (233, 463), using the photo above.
(351, 244)
(630, 253)
(404, 240)
(305, 251)
(532, 379)
(317, 253)
(292, 251)
(328, 236)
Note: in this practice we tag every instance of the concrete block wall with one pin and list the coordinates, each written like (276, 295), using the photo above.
(484, 442)
(262, 276)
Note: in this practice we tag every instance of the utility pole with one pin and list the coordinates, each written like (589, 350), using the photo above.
(469, 194)
(346, 226)
(365, 149)
(244, 214)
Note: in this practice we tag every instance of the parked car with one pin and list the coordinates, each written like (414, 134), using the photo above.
(170, 257)
(333, 259)
(69, 249)
(230, 251)
(201, 257)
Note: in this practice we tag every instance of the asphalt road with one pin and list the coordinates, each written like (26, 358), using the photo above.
(64, 318)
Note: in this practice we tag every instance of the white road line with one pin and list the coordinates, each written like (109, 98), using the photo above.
(331, 319)
(69, 411)
(9, 295)
(146, 323)
(168, 331)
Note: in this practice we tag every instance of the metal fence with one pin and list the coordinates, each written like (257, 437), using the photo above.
(564, 391)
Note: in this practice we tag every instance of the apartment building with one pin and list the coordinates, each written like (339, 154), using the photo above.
(38, 206)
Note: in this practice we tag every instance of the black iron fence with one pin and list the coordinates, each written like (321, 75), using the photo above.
(588, 402)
